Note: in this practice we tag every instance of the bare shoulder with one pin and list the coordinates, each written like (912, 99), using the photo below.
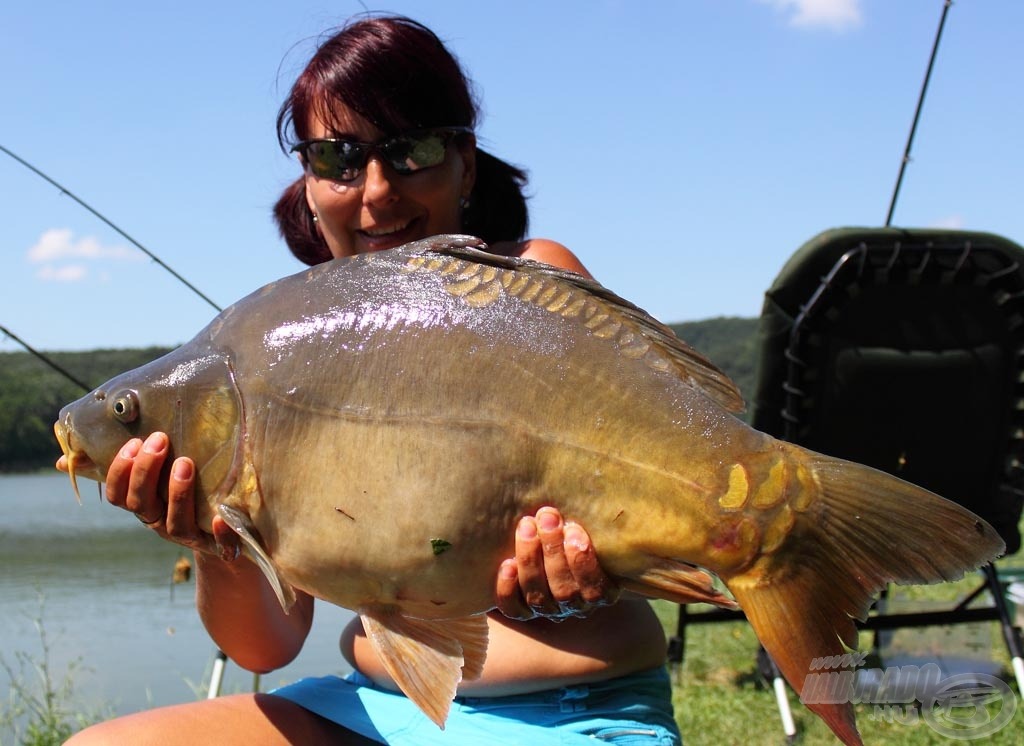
(543, 250)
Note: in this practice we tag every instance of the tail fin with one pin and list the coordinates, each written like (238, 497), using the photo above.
(865, 530)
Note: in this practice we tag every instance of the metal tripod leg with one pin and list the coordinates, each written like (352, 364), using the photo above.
(772, 674)
(1010, 633)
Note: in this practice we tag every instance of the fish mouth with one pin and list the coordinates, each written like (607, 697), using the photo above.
(76, 461)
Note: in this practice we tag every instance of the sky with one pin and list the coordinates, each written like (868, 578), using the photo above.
(683, 150)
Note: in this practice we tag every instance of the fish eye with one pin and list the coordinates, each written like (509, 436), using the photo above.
(125, 406)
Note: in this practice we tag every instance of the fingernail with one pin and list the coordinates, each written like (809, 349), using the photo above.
(547, 520)
(182, 469)
(155, 443)
(131, 449)
(576, 537)
(527, 528)
(507, 570)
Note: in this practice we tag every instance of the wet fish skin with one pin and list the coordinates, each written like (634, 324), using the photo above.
(350, 420)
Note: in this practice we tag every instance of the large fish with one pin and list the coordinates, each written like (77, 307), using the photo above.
(374, 427)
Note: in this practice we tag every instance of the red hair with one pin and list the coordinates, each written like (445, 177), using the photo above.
(398, 75)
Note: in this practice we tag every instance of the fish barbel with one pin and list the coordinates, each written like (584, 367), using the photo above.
(374, 427)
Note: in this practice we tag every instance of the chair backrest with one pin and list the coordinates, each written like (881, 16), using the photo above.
(904, 350)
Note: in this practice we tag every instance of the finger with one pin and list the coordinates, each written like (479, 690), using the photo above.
(143, 484)
(595, 587)
(533, 582)
(120, 472)
(561, 583)
(181, 507)
(509, 598)
(182, 526)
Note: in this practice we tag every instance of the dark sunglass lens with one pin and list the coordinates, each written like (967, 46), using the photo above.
(340, 160)
(410, 153)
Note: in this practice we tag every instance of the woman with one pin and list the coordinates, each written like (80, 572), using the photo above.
(382, 121)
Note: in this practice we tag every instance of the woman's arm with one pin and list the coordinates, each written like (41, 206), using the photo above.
(243, 616)
(234, 600)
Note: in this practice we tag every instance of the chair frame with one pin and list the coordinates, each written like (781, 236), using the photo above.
(844, 261)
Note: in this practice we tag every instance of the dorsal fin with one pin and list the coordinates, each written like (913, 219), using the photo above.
(605, 313)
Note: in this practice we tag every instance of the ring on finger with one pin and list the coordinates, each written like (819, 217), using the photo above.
(145, 522)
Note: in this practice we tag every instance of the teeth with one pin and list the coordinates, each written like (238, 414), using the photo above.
(377, 232)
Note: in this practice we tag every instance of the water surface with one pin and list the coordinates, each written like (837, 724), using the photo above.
(101, 585)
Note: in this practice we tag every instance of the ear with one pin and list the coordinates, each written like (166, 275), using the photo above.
(309, 196)
(467, 152)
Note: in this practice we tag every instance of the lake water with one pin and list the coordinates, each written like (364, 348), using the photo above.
(101, 585)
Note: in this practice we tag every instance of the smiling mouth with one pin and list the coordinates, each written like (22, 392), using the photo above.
(386, 236)
(386, 231)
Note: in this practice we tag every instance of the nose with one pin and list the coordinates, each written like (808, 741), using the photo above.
(379, 186)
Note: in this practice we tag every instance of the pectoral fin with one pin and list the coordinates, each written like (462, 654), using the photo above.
(241, 525)
(427, 658)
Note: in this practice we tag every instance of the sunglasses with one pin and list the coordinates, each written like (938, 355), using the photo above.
(340, 159)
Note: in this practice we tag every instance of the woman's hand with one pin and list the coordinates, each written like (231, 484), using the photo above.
(555, 573)
(134, 484)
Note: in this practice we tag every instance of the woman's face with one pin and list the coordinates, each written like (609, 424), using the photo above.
(380, 208)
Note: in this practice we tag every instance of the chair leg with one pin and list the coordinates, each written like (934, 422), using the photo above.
(677, 645)
(771, 672)
(876, 637)
(1010, 633)
(217, 675)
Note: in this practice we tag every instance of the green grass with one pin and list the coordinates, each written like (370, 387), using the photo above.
(41, 707)
(720, 698)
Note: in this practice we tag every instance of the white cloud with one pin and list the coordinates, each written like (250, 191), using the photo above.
(60, 243)
(60, 255)
(838, 15)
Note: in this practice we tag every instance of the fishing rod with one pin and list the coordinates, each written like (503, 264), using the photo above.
(7, 332)
(221, 658)
(917, 113)
(147, 252)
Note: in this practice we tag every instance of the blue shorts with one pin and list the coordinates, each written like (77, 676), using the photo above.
(633, 709)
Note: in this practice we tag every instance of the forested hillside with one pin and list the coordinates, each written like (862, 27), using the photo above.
(730, 343)
(32, 393)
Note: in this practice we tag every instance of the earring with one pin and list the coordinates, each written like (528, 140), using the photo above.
(464, 202)
(315, 218)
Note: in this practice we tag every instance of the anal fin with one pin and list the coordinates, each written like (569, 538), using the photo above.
(428, 658)
(798, 621)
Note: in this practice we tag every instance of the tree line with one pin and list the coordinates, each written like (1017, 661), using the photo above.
(32, 393)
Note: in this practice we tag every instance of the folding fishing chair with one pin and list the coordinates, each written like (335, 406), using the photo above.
(903, 350)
